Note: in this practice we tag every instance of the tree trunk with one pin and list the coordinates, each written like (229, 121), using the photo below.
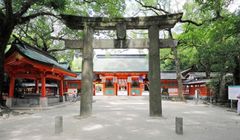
(236, 72)
(178, 72)
(87, 74)
(208, 71)
(5, 34)
(222, 94)
(155, 103)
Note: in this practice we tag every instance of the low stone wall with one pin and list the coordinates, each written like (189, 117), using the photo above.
(32, 101)
(25, 102)
(53, 100)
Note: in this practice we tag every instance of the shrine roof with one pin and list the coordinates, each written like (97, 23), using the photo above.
(193, 81)
(121, 63)
(165, 75)
(35, 54)
(171, 75)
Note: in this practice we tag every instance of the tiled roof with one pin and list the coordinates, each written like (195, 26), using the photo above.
(35, 54)
(121, 63)
(164, 75)
(168, 75)
(192, 82)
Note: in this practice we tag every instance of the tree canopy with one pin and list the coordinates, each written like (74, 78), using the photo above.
(22, 17)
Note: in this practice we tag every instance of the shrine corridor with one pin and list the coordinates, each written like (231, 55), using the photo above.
(124, 118)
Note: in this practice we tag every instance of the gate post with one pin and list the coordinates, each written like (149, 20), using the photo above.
(155, 103)
(87, 73)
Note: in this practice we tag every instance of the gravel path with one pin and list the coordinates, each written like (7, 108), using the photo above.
(124, 118)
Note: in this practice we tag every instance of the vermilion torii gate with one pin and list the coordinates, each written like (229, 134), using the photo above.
(153, 24)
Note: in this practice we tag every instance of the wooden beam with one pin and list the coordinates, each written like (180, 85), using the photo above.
(103, 23)
(117, 44)
(51, 76)
(27, 76)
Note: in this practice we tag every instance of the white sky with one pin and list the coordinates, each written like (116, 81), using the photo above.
(233, 6)
(176, 6)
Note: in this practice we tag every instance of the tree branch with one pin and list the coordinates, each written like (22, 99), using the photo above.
(56, 50)
(218, 17)
(2, 16)
(57, 38)
(23, 20)
(191, 22)
(152, 8)
(166, 58)
(89, 1)
(9, 11)
(25, 31)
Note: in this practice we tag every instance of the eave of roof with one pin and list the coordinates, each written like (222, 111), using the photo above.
(194, 82)
(36, 55)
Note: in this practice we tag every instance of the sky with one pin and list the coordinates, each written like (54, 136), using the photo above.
(234, 5)
(132, 7)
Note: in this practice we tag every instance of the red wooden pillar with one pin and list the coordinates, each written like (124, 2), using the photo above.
(141, 88)
(43, 99)
(9, 101)
(129, 89)
(11, 87)
(115, 89)
(36, 86)
(61, 88)
(43, 89)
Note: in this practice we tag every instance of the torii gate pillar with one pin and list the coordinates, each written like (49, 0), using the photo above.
(87, 73)
(155, 103)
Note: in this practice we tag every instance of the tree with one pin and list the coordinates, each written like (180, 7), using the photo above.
(215, 41)
(178, 69)
(14, 13)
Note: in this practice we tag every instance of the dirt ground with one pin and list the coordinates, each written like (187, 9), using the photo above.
(123, 118)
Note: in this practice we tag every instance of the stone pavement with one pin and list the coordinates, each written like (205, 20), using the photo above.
(124, 118)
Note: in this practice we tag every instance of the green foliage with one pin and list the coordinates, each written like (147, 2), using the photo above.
(213, 5)
(40, 4)
(166, 60)
(150, 2)
(112, 8)
(42, 31)
(76, 64)
(215, 45)
(215, 42)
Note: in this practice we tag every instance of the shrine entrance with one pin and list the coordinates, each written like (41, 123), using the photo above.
(153, 24)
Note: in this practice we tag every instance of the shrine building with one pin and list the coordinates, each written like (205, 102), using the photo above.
(122, 75)
(23, 61)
